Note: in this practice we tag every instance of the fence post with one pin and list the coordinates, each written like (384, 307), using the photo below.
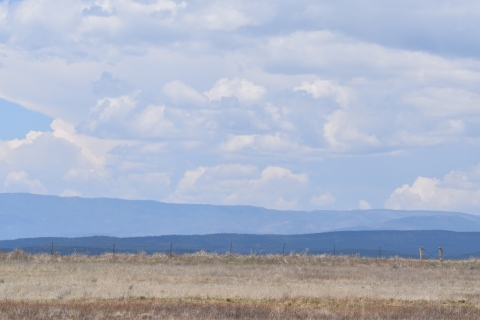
(421, 253)
(113, 250)
(334, 251)
(283, 250)
(440, 253)
(170, 249)
(230, 247)
(380, 252)
(52, 249)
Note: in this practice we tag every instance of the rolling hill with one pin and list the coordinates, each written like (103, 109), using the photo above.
(456, 245)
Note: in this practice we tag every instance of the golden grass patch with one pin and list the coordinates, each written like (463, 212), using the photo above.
(213, 286)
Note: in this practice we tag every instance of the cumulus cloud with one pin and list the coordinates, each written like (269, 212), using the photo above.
(364, 205)
(324, 88)
(323, 200)
(242, 89)
(165, 92)
(92, 150)
(18, 181)
(83, 19)
(342, 134)
(274, 187)
(261, 143)
(457, 191)
(117, 118)
(279, 117)
(151, 122)
(111, 110)
(180, 93)
(29, 139)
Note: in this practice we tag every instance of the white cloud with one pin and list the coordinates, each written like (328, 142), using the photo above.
(111, 109)
(324, 88)
(260, 143)
(364, 205)
(445, 102)
(92, 150)
(116, 117)
(151, 122)
(180, 93)
(342, 134)
(232, 170)
(46, 158)
(323, 200)
(328, 51)
(129, 84)
(30, 137)
(277, 173)
(279, 116)
(229, 15)
(242, 89)
(237, 143)
(17, 181)
(275, 187)
(77, 174)
(189, 179)
(457, 191)
(71, 23)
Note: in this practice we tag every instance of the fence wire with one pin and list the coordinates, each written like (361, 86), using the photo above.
(257, 249)
(431, 255)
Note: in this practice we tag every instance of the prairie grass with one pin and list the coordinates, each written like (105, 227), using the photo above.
(214, 286)
(324, 309)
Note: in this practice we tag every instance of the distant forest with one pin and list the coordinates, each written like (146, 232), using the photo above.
(456, 245)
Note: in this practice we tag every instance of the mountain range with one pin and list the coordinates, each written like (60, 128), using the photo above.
(29, 216)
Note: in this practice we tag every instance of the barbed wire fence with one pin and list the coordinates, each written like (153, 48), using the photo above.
(230, 248)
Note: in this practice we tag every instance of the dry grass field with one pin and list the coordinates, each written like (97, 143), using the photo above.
(211, 286)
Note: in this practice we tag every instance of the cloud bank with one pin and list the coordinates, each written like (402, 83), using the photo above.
(309, 105)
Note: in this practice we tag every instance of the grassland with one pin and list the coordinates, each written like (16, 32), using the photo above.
(210, 286)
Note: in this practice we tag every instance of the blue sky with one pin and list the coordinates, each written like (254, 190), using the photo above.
(16, 121)
(283, 104)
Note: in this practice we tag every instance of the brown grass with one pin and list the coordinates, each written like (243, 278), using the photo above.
(212, 286)
(308, 309)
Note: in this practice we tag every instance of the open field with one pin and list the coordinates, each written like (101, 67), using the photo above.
(210, 286)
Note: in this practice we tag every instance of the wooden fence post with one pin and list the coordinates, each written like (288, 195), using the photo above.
(440, 253)
(421, 253)
(230, 247)
(334, 251)
(52, 249)
(170, 249)
(113, 250)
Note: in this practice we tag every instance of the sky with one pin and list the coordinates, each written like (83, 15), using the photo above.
(298, 105)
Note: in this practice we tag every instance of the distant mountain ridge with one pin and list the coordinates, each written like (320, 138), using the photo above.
(456, 245)
(28, 215)
(434, 222)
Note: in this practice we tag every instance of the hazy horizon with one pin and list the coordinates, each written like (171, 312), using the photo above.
(229, 205)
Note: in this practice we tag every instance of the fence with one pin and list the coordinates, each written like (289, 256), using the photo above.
(258, 249)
